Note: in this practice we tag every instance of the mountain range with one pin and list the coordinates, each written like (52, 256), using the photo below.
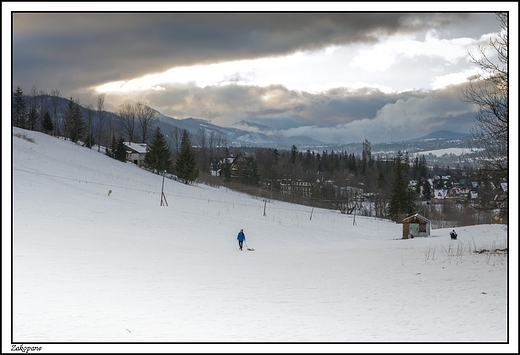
(248, 134)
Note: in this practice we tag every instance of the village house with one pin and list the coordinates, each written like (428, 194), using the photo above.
(135, 152)
(216, 165)
(297, 188)
(235, 164)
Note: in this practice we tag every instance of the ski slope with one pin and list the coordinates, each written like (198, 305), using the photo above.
(91, 268)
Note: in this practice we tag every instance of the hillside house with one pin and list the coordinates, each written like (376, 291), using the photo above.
(439, 194)
(416, 226)
(216, 165)
(296, 187)
(237, 165)
(459, 192)
(135, 152)
(234, 165)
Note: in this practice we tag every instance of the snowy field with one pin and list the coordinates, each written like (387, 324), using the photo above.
(89, 268)
(448, 151)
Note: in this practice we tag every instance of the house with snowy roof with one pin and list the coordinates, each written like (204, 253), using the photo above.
(135, 152)
(233, 164)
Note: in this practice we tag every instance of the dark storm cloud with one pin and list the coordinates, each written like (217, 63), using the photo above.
(343, 116)
(84, 49)
(72, 52)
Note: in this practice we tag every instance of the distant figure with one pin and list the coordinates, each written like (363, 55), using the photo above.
(453, 234)
(109, 192)
(241, 237)
(411, 235)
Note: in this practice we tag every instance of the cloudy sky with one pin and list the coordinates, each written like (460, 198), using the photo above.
(336, 73)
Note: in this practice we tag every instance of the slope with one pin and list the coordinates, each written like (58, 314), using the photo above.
(100, 268)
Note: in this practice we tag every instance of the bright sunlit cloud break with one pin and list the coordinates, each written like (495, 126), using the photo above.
(314, 71)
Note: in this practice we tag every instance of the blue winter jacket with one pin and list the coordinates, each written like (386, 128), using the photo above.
(241, 236)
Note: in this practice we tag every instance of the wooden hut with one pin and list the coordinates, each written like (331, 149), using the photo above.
(416, 226)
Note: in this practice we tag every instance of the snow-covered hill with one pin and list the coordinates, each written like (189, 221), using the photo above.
(89, 266)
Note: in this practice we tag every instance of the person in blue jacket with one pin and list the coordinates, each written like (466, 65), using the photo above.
(241, 237)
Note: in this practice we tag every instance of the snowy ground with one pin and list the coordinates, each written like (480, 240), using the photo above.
(92, 269)
(441, 152)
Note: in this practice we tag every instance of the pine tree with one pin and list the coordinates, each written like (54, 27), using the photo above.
(249, 174)
(73, 121)
(226, 169)
(31, 119)
(294, 153)
(47, 124)
(186, 163)
(19, 109)
(159, 156)
(427, 190)
(120, 150)
(254, 177)
(402, 197)
(117, 149)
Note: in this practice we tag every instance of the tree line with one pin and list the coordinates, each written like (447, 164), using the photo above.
(335, 179)
(342, 180)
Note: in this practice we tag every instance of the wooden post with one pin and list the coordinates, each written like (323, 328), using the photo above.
(354, 220)
(162, 192)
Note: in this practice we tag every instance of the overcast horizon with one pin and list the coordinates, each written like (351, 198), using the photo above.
(333, 76)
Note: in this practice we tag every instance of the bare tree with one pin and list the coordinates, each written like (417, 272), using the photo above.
(348, 201)
(42, 107)
(217, 144)
(33, 111)
(490, 93)
(55, 100)
(204, 163)
(126, 113)
(211, 144)
(146, 118)
(101, 118)
(88, 122)
(176, 137)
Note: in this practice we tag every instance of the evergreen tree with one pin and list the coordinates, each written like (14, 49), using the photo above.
(120, 150)
(186, 163)
(294, 153)
(249, 175)
(401, 197)
(427, 190)
(254, 177)
(117, 149)
(159, 156)
(19, 109)
(423, 167)
(73, 121)
(226, 169)
(47, 124)
(32, 118)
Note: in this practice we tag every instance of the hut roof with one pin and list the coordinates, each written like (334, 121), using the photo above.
(416, 216)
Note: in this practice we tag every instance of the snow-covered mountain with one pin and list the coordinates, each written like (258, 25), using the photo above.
(242, 134)
(251, 134)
